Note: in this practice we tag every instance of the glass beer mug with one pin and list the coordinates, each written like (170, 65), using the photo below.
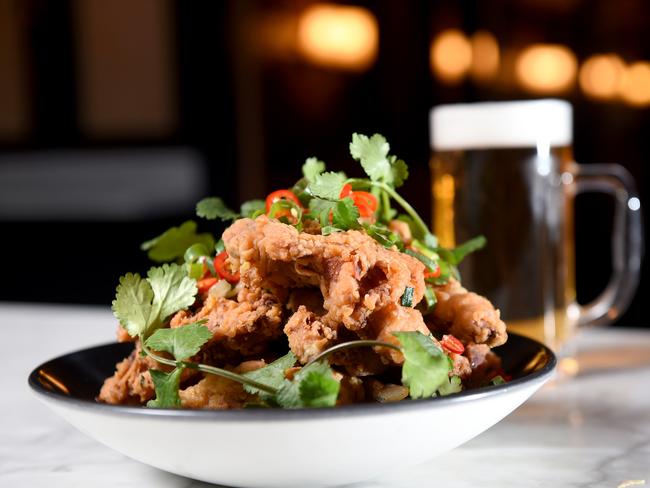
(506, 170)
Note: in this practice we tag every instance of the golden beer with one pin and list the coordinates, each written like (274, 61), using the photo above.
(506, 171)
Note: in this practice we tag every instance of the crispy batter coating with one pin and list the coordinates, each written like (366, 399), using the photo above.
(354, 273)
(131, 383)
(466, 315)
(247, 325)
(215, 392)
(318, 291)
(356, 276)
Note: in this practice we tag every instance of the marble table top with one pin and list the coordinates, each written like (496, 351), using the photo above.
(590, 431)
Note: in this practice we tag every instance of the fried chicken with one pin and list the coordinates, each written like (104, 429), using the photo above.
(317, 291)
(131, 383)
(246, 326)
(356, 276)
(466, 315)
(215, 392)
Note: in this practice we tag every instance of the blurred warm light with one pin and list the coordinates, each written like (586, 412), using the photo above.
(546, 68)
(450, 55)
(601, 76)
(338, 36)
(485, 56)
(635, 87)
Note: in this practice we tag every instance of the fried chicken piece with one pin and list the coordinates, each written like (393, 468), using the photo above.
(246, 326)
(355, 275)
(468, 316)
(351, 390)
(395, 318)
(131, 383)
(484, 365)
(387, 393)
(308, 335)
(216, 392)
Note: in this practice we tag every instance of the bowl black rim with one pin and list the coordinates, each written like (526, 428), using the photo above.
(259, 414)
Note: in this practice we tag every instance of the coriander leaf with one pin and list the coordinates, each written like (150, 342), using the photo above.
(132, 304)
(399, 171)
(213, 208)
(166, 385)
(452, 385)
(328, 185)
(272, 374)
(141, 306)
(345, 215)
(251, 207)
(313, 386)
(407, 297)
(172, 290)
(312, 168)
(321, 210)
(182, 342)
(456, 255)
(372, 153)
(171, 244)
(426, 368)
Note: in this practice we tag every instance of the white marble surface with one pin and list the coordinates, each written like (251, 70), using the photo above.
(591, 431)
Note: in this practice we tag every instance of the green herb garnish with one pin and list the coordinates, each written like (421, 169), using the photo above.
(426, 367)
(212, 208)
(407, 297)
(172, 244)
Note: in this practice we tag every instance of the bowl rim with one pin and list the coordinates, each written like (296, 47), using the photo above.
(263, 414)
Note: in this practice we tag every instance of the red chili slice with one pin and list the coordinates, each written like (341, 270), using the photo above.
(432, 274)
(364, 201)
(222, 270)
(452, 345)
(280, 195)
(347, 189)
(205, 284)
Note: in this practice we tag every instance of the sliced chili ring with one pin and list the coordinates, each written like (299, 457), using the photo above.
(346, 190)
(281, 195)
(365, 202)
(222, 270)
(452, 345)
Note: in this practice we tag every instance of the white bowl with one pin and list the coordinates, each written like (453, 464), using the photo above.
(285, 448)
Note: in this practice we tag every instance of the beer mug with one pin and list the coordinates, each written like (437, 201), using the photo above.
(506, 171)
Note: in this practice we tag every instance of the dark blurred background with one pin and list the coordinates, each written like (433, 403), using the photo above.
(117, 116)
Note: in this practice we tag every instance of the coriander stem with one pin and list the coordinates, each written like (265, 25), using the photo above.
(350, 345)
(385, 206)
(224, 373)
(397, 197)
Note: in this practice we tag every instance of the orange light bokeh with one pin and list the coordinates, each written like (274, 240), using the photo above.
(338, 36)
(635, 86)
(450, 56)
(546, 68)
(485, 56)
(601, 76)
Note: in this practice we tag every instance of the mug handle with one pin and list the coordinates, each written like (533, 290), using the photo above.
(627, 240)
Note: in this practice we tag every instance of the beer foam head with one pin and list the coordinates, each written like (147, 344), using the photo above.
(501, 124)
